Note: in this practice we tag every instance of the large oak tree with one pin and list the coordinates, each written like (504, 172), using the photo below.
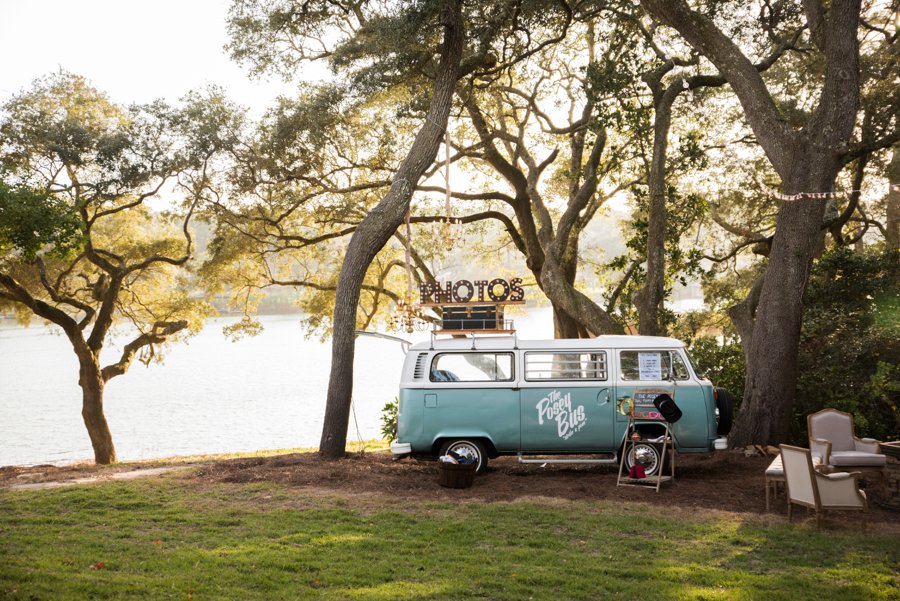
(807, 158)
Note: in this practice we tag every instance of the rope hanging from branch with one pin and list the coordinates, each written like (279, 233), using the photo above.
(451, 232)
(408, 314)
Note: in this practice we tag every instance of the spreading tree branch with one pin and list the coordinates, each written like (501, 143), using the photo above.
(158, 334)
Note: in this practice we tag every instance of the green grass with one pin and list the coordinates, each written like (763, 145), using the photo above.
(174, 539)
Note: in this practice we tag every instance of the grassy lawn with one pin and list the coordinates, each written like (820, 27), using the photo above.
(176, 539)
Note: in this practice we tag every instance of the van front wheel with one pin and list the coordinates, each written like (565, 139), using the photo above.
(646, 454)
(468, 448)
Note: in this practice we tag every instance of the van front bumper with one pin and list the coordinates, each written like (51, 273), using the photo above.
(401, 449)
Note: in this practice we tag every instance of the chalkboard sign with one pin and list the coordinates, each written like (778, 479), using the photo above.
(643, 403)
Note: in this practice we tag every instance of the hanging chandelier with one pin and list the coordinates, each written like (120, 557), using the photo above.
(408, 314)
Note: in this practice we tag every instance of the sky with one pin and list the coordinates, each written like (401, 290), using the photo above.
(133, 51)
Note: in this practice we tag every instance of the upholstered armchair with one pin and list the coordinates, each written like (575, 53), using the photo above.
(809, 488)
(831, 437)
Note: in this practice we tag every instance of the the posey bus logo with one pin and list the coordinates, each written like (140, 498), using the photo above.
(557, 407)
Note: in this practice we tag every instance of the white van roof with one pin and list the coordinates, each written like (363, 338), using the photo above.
(483, 343)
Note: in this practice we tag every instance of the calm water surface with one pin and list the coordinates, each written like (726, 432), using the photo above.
(210, 396)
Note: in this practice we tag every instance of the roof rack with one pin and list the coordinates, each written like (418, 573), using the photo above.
(473, 334)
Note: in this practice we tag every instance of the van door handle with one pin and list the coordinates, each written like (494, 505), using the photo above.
(516, 388)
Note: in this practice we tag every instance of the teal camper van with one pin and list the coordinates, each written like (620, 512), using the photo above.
(562, 400)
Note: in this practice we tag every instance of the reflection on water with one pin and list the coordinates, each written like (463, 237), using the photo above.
(210, 396)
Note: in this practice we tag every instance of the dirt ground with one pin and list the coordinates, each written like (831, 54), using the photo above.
(724, 481)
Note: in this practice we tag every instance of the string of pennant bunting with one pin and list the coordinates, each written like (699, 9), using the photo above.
(808, 195)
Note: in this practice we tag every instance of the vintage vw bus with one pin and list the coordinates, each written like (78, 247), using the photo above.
(491, 396)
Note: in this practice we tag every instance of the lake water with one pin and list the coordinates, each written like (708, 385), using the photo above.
(210, 396)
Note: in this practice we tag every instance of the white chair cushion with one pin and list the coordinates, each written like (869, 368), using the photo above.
(776, 468)
(857, 458)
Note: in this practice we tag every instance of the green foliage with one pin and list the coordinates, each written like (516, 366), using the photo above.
(715, 350)
(276, 37)
(389, 415)
(720, 362)
(32, 220)
(173, 539)
(246, 326)
(683, 263)
(76, 171)
(374, 47)
(849, 356)
(389, 48)
(610, 76)
(850, 343)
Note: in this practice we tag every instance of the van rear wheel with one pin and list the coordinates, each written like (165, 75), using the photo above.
(468, 448)
(646, 454)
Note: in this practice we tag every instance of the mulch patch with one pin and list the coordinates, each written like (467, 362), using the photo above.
(725, 481)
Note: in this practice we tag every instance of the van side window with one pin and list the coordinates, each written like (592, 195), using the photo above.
(565, 366)
(652, 365)
(472, 367)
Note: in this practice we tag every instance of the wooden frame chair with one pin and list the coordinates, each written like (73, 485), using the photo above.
(809, 488)
(831, 435)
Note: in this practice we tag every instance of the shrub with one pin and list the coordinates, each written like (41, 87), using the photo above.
(721, 362)
(850, 343)
(389, 420)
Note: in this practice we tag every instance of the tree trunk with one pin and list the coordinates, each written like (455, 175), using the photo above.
(91, 381)
(571, 301)
(376, 229)
(650, 297)
(807, 161)
(742, 315)
(770, 387)
(892, 229)
(574, 314)
(565, 326)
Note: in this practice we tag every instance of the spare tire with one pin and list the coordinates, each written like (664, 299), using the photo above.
(647, 454)
(725, 407)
